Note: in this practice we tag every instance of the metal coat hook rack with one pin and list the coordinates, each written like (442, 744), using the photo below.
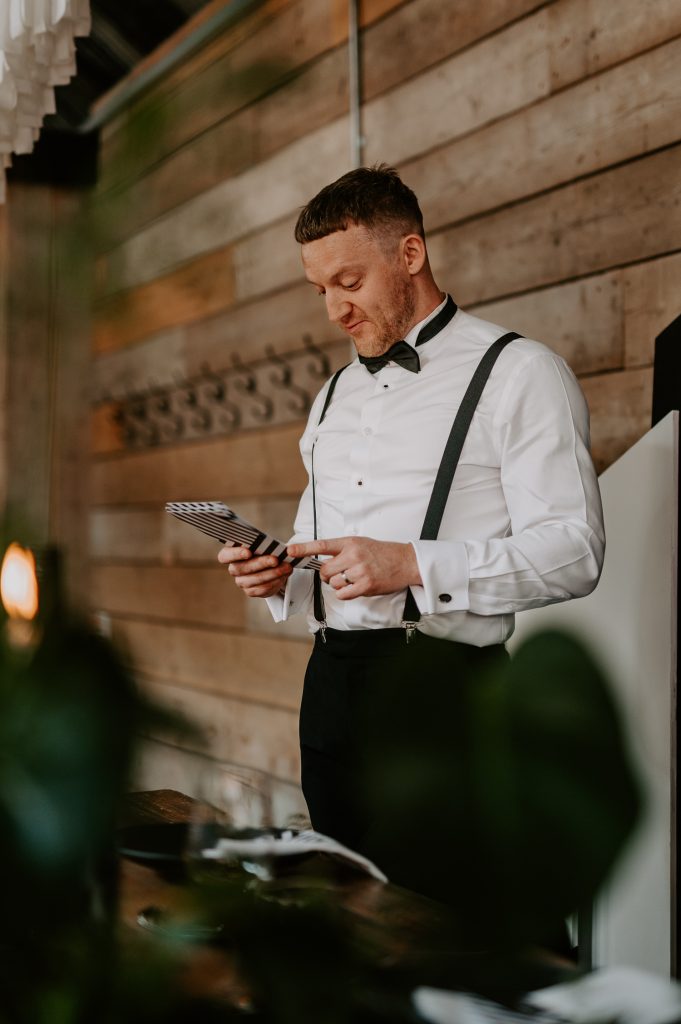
(276, 389)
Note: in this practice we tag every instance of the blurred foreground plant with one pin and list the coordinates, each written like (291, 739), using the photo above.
(69, 717)
(512, 814)
(513, 807)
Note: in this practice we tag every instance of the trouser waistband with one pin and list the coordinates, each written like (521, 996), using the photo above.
(386, 641)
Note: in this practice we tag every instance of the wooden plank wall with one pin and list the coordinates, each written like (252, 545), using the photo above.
(45, 291)
(544, 142)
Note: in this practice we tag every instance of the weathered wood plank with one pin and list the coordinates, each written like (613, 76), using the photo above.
(158, 361)
(273, 188)
(163, 766)
(202, 287)
(311, 99)
(581, 320)
(4, 354)
(236, 665)
(415, 36)
(280, 321)
(299, 32)
(319, 95)
(264, 462)
(248, 734)
(187, 594)
(424, 32)
(461, 94)
(651, 302)
(232, 209)
(31, 383)
(584, 129)
(229, 38)
(621, 408)
(69, 356)
(587, 36)
(151, 535)
(571, 40)
(573, 231)
(267, 261)
(579, 131)
(105, 433)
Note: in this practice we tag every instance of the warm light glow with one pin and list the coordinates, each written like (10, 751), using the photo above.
(18, 583)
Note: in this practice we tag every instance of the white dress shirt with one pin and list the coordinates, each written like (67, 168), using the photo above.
(523, 524)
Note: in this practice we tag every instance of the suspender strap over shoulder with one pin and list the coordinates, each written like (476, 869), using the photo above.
(451, 455)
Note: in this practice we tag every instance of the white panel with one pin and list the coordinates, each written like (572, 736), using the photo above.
(630, 624)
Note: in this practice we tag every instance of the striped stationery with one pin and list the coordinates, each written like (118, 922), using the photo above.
(220, 522)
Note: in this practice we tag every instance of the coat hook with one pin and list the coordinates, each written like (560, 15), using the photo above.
(320, 367)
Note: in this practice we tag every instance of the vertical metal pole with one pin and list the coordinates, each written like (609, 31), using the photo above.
(354, 83)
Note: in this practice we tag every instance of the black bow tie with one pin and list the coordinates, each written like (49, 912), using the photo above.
(400, 352)
(403, 353)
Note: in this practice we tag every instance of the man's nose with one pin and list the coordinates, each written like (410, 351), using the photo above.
(337, 308)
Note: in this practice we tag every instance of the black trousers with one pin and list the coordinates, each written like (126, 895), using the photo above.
(362, 687)
(387, 754)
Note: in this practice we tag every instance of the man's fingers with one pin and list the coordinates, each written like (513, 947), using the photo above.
(332, 546)
(253, 565)
(257, 579)
(265, 590)
(230, 554)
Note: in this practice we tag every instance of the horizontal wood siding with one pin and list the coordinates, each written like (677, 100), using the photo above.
(544, 141)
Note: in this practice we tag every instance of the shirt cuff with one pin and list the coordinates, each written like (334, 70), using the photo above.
(296, 596)
(443, 565)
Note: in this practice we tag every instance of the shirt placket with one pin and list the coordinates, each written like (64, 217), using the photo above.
(361, 482)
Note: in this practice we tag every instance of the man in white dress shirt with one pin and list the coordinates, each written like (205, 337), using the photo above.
(522, 524)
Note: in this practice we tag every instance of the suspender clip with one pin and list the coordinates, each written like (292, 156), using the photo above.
(410, 629)
(322, 631)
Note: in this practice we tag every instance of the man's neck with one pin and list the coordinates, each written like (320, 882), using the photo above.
(430, 302)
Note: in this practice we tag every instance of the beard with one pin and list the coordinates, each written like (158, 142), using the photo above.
(392, 322)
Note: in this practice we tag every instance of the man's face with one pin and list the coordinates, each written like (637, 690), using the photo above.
(366, 285)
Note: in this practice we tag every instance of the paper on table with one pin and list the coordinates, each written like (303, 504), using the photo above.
(290, 844)
(438, 1006)
(219, 521)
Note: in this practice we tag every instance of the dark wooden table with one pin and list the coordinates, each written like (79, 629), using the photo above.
(402, 924)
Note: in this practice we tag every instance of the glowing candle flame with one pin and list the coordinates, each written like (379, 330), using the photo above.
(18, 583)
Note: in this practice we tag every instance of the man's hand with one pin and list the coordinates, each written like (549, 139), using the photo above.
(262, 576)
(362, 567)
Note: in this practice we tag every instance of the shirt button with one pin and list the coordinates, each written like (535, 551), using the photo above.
(367, 431)
(445, 598)
(359, 483)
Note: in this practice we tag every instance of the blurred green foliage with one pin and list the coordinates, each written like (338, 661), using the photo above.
(513, 806)
(512, 813)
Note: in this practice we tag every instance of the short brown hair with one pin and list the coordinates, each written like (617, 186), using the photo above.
(375, 197)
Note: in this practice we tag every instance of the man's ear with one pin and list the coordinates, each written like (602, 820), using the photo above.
(413, 253)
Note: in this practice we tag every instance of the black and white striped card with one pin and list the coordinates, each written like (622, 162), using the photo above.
(222, 523)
